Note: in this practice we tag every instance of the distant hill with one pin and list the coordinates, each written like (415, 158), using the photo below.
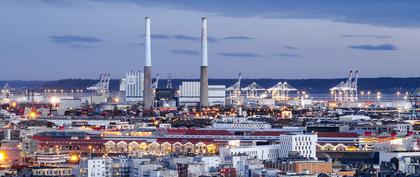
(385, 84)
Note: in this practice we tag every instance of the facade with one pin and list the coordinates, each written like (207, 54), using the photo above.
(408, 161)
(189, 94)
(263, 152)
(300, 166)
(50, 159)
(97, 167)
(52, 171)
(303, 144)
(300, 144)
(239, 123)
(123, 83)
(141, 167)
(134, 84)
(335, 141)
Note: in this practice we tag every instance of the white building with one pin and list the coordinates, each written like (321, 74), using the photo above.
(189, 94)
(97, 167)
(303, 144)
(351, 118)
(67, 104)
(407, 160)
(244, 164)
(49, 159)
(403, 128)
(141, 167)
(239, 123)
(123, 82)
(134, 84)
(406, 143)
(263, 152)
(163, 173)
(211, 162)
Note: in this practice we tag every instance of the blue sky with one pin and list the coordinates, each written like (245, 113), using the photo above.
(56, 39)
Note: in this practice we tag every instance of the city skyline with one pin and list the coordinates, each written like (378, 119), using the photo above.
(85, 38)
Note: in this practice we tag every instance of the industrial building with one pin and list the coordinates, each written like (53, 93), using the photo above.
(134, 84)
(189, 94)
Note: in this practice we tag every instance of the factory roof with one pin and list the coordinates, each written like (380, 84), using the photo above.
(338, 134)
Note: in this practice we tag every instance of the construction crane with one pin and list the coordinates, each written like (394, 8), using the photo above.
(102, 87)
(346, 91)
(234, 91)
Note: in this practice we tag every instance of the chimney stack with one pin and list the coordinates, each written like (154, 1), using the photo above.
(147, 91)
(204, 80)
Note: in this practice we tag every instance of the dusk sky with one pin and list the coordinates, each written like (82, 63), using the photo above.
(58, 39)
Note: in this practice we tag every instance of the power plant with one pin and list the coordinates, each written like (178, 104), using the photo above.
(148, 92)
(204, 79)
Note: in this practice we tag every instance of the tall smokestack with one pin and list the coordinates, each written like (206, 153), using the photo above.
(147, 91)
(204, 79)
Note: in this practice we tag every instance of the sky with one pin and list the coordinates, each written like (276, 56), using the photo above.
(289, 39)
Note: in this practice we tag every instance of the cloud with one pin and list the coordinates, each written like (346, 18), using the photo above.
(158, 36)
(291, 55)
(249, 55)
(237, 37)
(365, 36)
(375, 12)
(135, 45)
(74, 39)
(80, 46)
(186, 37)
(193, 38)
(185, 52)
(374, 47)
(289, 47)
(212, 39)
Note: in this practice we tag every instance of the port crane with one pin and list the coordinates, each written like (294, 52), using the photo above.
(155, 84)
(5, 93)
(280, 91)
(415, 101)
(102, 87)
(169, 82)
(251, 91)
(346, 91)
(234, 91)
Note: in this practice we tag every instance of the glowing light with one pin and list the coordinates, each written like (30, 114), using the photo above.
(211, 148)
(3, 156)
(32, 114)
(352, 148)
(74, 158)
(156, 122)
(54, 100)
